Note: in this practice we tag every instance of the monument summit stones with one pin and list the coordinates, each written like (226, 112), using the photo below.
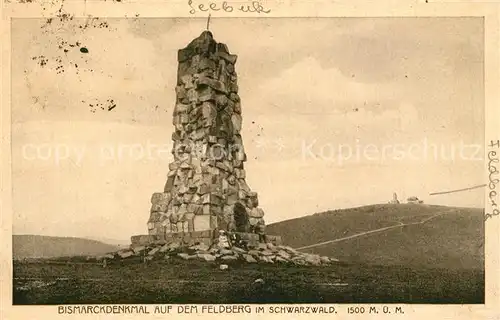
(205, 189)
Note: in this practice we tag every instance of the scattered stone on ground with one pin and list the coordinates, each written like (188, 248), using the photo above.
(139, 249)
(261, 253)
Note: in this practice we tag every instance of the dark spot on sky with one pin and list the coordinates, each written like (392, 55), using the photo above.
(84, 50)
(253, 122)
(42, 60)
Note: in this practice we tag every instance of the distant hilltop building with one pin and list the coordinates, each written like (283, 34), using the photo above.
(414, 200)
(394, 199)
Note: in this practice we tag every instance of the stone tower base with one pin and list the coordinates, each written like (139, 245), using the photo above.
(207, 237)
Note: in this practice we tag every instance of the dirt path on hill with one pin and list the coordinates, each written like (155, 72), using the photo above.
(399, 225)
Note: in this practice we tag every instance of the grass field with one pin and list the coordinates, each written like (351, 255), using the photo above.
(179, 281)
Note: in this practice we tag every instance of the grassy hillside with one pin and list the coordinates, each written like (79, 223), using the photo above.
(34, 246)
(451, 240)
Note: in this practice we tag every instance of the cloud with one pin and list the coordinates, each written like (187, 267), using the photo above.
(306, 86)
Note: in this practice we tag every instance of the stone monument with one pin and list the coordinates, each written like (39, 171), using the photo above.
(205, 189)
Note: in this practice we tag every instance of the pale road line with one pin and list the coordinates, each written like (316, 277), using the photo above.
(374, 231)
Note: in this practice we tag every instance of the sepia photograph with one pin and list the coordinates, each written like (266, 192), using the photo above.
(218, 160)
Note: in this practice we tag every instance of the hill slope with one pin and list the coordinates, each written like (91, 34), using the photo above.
(35, 246)
(410, 235)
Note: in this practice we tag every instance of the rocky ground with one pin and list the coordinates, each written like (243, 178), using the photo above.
(263, 253)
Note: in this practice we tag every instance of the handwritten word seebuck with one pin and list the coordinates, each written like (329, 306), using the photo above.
(251, 7)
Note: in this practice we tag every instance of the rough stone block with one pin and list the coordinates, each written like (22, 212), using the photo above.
(214, 84)
(222, 166)
(207, 94)
(187, 198)
(201, 223)
(180, 226)
(183, 69)
(221, 47)
(159, 207)
(207, 209)
(256, 213)
(153, 251)
(173, 227)
(237, 164)
(242, 194)
(240, 173)
(221, 100)
(182, 210)
(229, 258)
(186, 256)
(234, 97)
(275, 240)
(237, 107)
(206, 256)
(184, 54)
(198, 134)
(169, 184)
(138, 249)
(241, 156)
(248, 258)
(231, 58)
(181, 93)
(160, 197)
(232, 198)
(247, 236)
(213, 222)
(181, 109)
(187, 81)
(125, 254)
(206, 63)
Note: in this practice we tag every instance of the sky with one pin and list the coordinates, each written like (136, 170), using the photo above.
(337, 113)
